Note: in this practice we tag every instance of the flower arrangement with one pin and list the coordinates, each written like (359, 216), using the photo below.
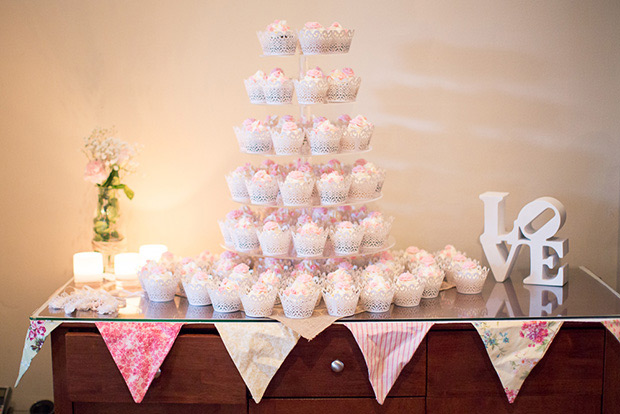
(109, 160)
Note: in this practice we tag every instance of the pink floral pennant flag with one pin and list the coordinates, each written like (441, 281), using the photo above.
(515, 347)
(387, 347)
(138, 349)
(35, 338)
(613, 325)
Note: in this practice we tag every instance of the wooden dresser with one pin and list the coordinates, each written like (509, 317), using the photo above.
(450, 373)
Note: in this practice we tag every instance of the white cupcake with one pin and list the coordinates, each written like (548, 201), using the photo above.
(225, 296)
(312, 89)
(274, 240)
(363, 184)
(408, 290)
(377, 294)
(278, 39)
(341, 298)
(333, 188)
(254, 87)
(196, 287)
(324, 138)
(296, 189)
(469, 277)
(258, 300)
(315, 39)
(432, 275)
(346, 238)
(226, 233)
(358, 133)
(309, 240)
(300, 298)
(257, 138)
(288, 139)
(343, 85)
(277, 88)
(340, 38)
(244, 235)
(160, 284)
(262, 188)
(376, 230)
(236, 183)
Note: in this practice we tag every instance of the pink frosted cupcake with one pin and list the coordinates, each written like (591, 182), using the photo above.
(278, 39)
(236, 183)
(343, 85)
(341, 298)
(333, 188)
(346, 238)
(315, 39)
(254, 86)
(258, 300)
(377, 294)
(278, 89)
(225, 296)
(300, 298)
(244, 235)
(240, 132)
(309, 240)
(271, 277)
(296, 189)
(196, 286)
(325, 138)
(262, 188)
(288, 139)
(376, 230)
(159, 282)
(257, 138)
(363, 183)
(312, 89)
(409, 288)
(358, 133)
(469, 277)
(274, 240)
(432, 275)
(340, 38)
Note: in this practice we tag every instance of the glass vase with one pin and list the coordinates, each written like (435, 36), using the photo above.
(107, 237)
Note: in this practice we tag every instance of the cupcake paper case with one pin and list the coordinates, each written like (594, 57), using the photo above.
(254, 87)
(333, 188)
(278, 39)
(274, 241)
(258, 300)
(277, 88)
(315, 39)
(312, 88)
(309, 240)
(342, 85)
(408, 291)
(346, 238)
(296, 189)
(340, 38)
(469, 277)
(262, 188)
(324, 138)
(225, 297)
(288, 140)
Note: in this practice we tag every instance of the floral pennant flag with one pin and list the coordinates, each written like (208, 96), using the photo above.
(258, 350)
(387, 347)
(613, 325)
(37, 332)
(138, 349)
(515, 347)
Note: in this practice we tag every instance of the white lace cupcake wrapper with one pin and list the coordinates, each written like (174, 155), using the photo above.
(245, 240)
(265, 194)
(346, 244)
(296, 194)
(238, 189)
(299, 307)
(333, 193)
(324, 142)
(159, 291)
(278, 43)
(257, 142)
(362, 189)
(377, 302)
(255, 92)
(311, 92)
(432, 285)
(314, 42)
(225, 301)
(197, 295)
(470, 282)
(258, 307)
(408, 296)
(345, 91)
(341, 305)
(275, 244)
(309, 245)
(288, 143)
(279, 94)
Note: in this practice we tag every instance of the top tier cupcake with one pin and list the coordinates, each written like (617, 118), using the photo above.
(278, 39)
(316, 39)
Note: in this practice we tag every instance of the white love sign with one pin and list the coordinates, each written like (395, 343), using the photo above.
(502, 248)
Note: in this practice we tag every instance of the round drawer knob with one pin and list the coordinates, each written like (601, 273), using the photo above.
(337, 365)
(158, 373)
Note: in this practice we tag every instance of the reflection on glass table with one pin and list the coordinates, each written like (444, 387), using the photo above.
(585, 297)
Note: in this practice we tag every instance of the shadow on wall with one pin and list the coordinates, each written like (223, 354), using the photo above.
(458, 121)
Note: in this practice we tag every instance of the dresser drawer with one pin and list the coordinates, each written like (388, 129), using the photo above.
(307, 372)
(338, 406)
(197, 370)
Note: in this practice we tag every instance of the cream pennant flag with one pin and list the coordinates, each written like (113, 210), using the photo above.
(258, 350)
(138, 349)
(35, 338)
(613, 325)
(515, 347)
(387, 347)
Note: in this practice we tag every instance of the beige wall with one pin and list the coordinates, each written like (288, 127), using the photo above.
(467, 97)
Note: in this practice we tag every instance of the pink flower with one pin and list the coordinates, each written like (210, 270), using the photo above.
(95, 172)
(536, 332)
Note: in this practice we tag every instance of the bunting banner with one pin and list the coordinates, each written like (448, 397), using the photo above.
(515, 347)
(35, 338)
(138, 349)
(387, 347)
(258, 350)
(613, 325)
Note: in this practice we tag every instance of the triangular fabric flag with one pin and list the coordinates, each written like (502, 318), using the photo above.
(258, 350)
(613, 325)
(387, 347)
(35, 338)
(138, 349)
(515, 347)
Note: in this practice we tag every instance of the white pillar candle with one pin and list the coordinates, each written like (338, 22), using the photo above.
(126, 266)
(152, 251)
(87, 267)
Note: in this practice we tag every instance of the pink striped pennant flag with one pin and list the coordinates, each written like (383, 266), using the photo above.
(387, 347)
(138, 349)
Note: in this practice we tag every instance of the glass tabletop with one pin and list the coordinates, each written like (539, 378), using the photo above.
(584, 298)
